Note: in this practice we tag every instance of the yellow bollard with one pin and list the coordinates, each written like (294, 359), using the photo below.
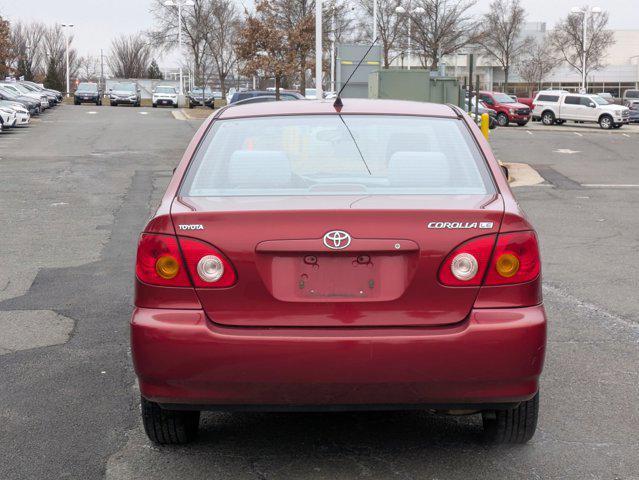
(484, 125)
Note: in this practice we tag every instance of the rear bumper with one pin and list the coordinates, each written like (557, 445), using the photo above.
(182, 359)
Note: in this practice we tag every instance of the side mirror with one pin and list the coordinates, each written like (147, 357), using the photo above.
(504, 169)
(592, 105)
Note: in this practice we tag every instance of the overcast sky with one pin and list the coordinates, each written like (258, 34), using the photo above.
(98, 21)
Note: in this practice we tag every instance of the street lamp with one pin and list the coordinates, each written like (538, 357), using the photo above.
(586, 12)
(318, 49)
(69, 26)
(179, 4)
(401, 11)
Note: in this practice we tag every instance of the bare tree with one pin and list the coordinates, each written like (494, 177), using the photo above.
(88, 68)
(390, 25)
(537, 64)
(196, 24)
(444, 28)
(223, 30)
(54, 44)
(130, 56)
(501, 37)
(263, 46)
(27, 39)
(567, 39)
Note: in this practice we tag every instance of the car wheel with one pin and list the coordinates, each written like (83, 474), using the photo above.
(114, 104)
(502, 119)
(517, 425)
(169, 427)
(547, 118)
(606, 122)
(175, 105)
(76, 103)
(191, 106)
(155, 105)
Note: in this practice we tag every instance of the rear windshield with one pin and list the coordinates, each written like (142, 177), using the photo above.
(632, 93)
(337, 155)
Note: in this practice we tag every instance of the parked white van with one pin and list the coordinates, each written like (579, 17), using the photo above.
(556, 108)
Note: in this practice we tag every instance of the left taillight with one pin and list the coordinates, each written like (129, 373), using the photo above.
(159, 261)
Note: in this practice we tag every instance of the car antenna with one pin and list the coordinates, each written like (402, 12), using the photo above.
(338, 104)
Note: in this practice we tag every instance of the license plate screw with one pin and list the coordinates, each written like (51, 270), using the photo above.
(371, 284)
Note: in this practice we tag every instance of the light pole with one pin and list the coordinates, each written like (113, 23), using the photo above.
(374, 20)
(401, 10)
(318, 49)
(65, 26)
(586, 12)
(179, 4)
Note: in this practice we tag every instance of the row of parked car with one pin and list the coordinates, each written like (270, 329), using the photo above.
(19, 101)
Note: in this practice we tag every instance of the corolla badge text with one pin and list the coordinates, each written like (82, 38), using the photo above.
(193, 226)
(460, 225)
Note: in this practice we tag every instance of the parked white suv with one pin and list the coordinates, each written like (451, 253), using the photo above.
(553, 108)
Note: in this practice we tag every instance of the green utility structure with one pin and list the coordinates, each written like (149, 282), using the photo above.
(417, 85)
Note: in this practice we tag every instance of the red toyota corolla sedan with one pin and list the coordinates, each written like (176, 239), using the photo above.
(312, 258)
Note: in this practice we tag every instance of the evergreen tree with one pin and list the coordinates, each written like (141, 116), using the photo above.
(154, 71)
(53, 79)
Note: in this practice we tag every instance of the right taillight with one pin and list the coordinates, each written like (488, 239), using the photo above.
(512, 258)
(515, 259)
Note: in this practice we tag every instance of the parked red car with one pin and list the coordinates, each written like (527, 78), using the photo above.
(312, 258)
(508, 109)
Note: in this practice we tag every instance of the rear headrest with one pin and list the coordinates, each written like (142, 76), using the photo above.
(419, 169)
(259, 168)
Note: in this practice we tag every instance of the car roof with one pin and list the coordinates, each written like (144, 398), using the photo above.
(350, 106)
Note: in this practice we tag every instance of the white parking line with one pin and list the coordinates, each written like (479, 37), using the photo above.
(625, 135)
(144, 113)
(611, 185)
(577, 133)
(92, 113)
(529, 132)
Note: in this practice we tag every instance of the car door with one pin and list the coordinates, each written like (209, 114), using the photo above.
(588, 110)
(571, 108)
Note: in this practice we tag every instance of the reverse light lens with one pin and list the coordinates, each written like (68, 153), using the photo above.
(210, 268)
(464, 266)
(507, 265)
(167, 267)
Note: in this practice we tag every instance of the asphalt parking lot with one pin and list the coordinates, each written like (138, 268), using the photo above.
(74, 197)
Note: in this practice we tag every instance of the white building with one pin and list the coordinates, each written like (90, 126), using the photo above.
(620, 73)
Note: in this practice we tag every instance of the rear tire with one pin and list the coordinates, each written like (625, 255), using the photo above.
(547, 118)
(502, 119)
(169, 427)
(512, 426)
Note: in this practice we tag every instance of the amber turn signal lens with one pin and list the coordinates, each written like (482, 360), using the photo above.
(507, 265)
(167, 267)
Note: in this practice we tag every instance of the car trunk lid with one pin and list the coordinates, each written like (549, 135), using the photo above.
(290, 274)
